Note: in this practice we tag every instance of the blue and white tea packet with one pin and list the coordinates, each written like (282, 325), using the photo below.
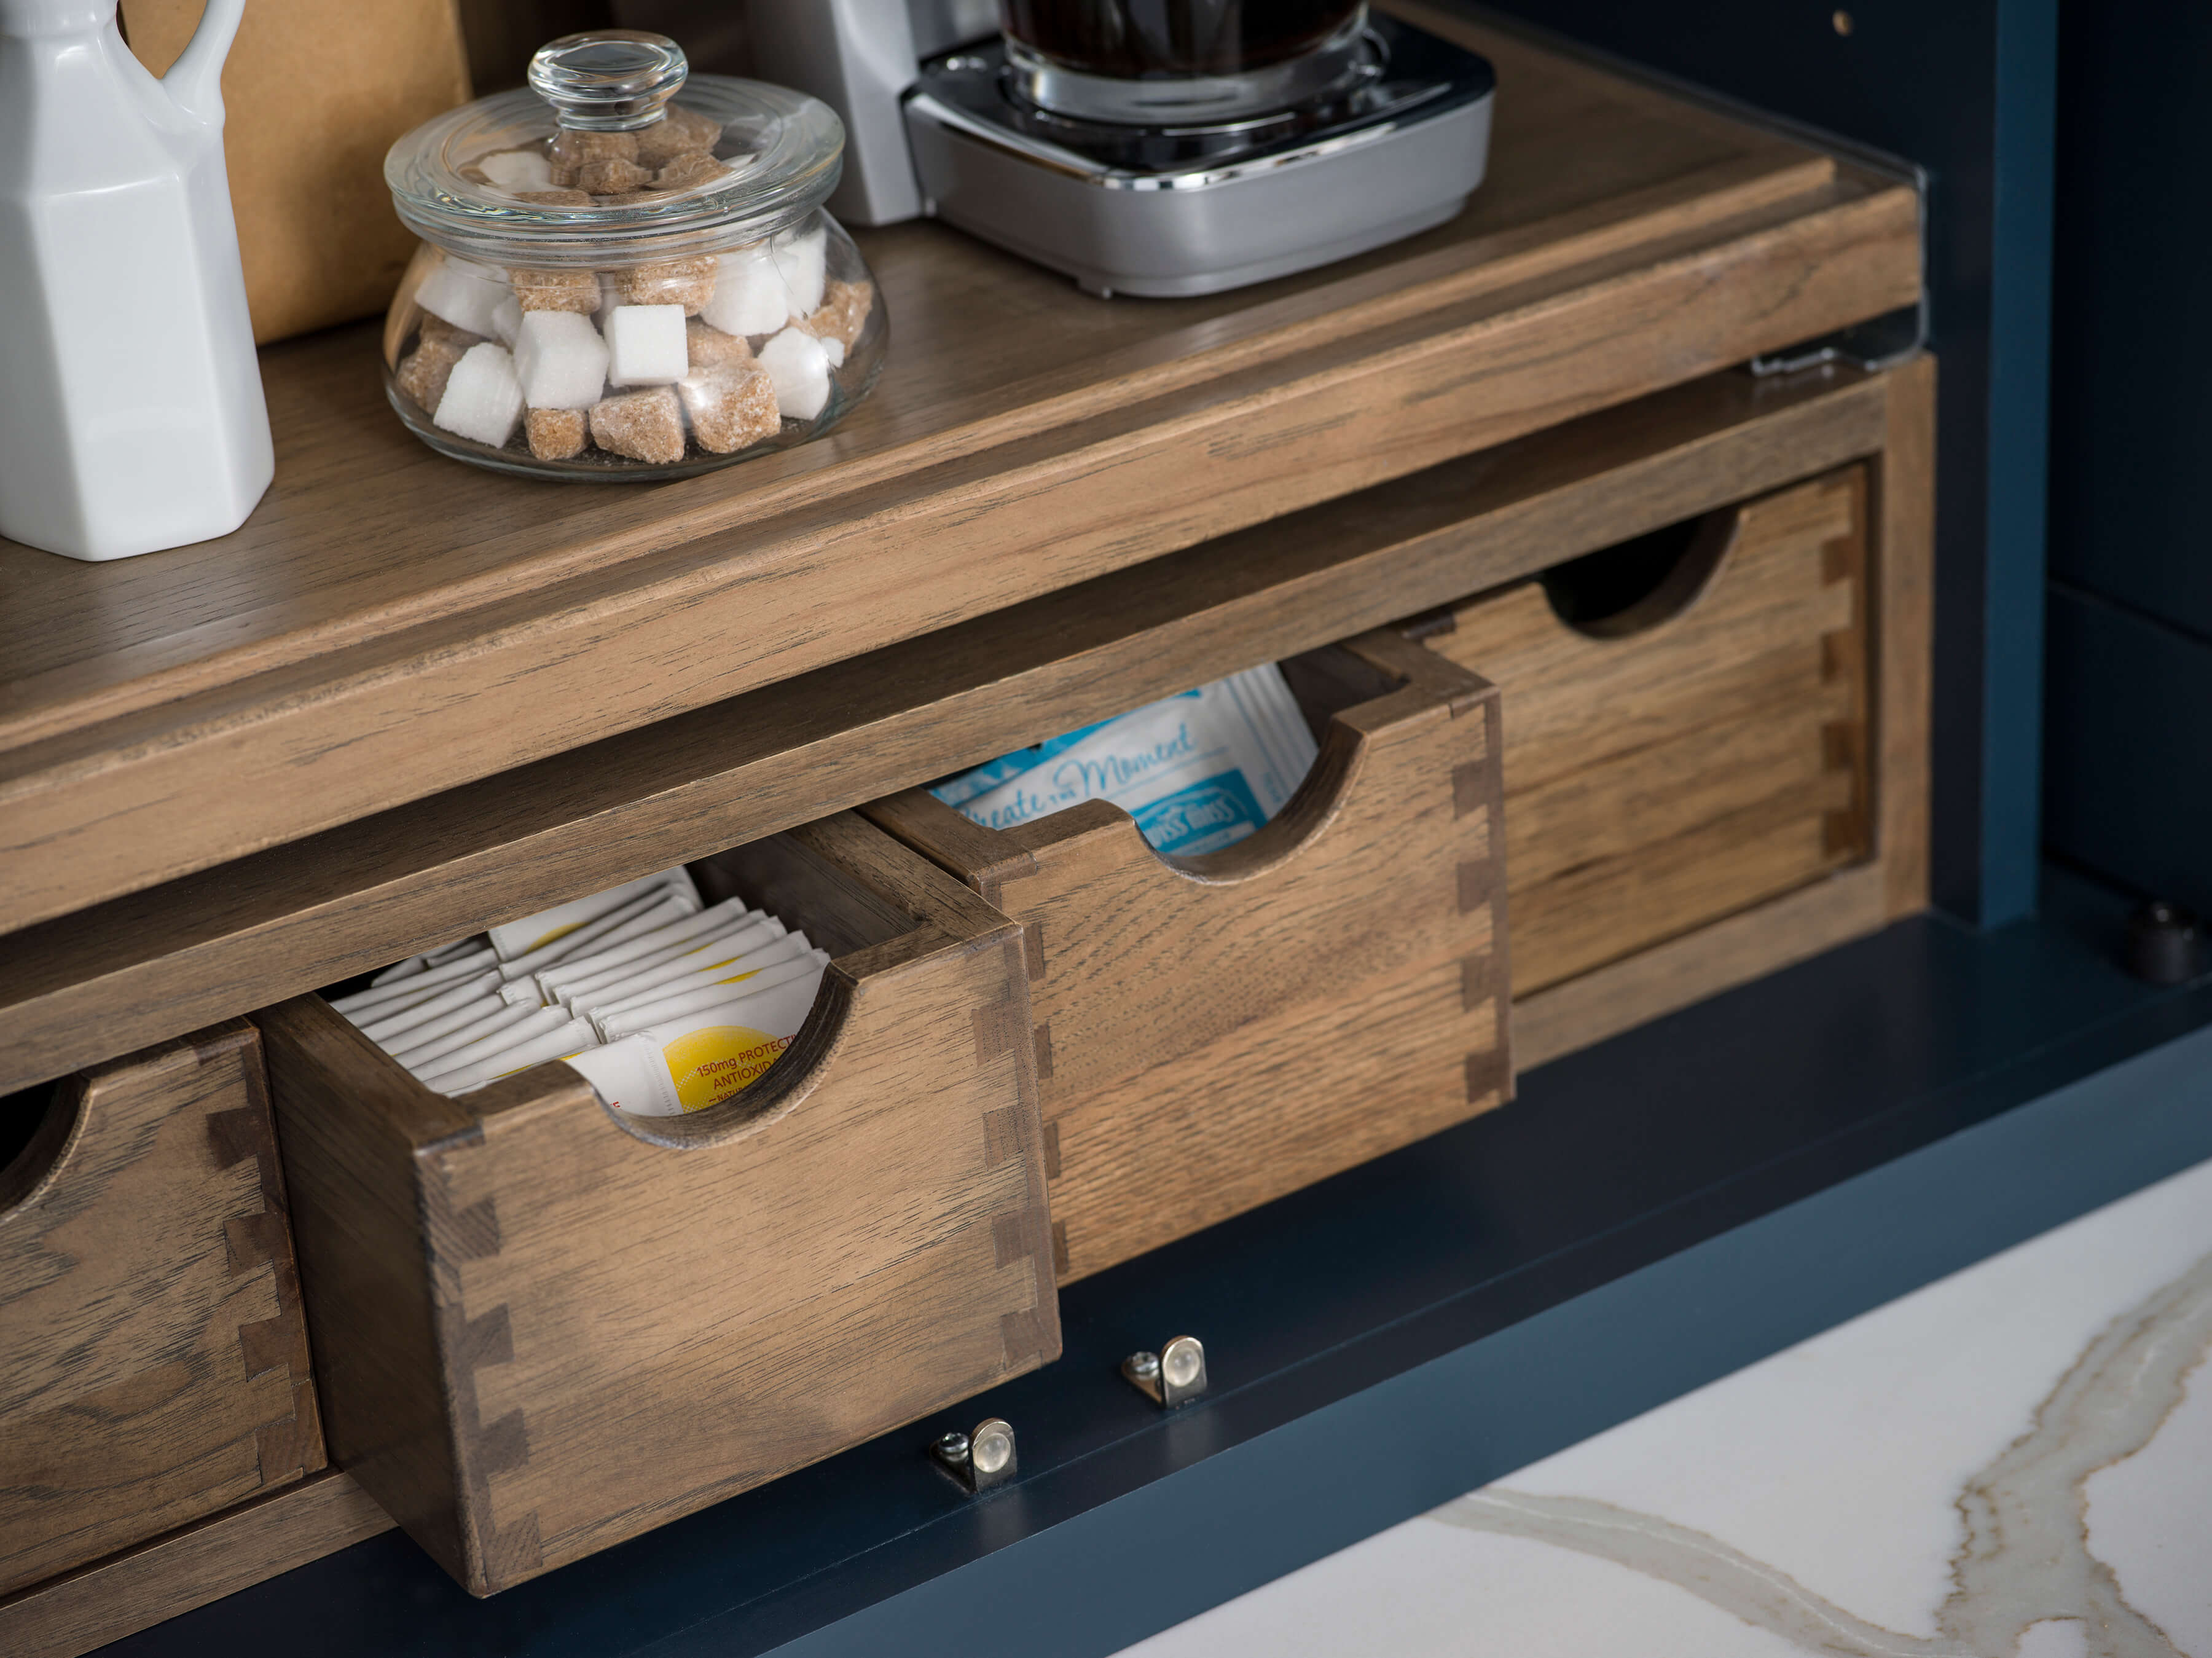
(1198, 771)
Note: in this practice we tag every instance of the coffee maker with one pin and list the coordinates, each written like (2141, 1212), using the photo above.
(1154, 146)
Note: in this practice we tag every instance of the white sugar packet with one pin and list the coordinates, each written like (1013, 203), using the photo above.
(1199, 771)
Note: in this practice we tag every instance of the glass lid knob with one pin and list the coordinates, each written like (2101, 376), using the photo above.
(609, 81)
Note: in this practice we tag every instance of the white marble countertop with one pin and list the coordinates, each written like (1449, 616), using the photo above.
(2015, 1460)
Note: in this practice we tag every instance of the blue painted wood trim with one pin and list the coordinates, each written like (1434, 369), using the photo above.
(2019, 425)
(1242, 1518)
(1428, 1263)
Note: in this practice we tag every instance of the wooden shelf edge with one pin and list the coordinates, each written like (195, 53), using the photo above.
(144, 1586)
(122, 805)
(250, 933)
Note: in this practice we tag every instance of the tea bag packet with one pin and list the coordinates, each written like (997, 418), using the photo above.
(379, 1000)
(703, 1058)
(570, 1037)
(698, 998)
(519, 938)
(644, 914)
(556, 985)
(589, 977)
(498, 1024)
(1198, 771)
(731, 969)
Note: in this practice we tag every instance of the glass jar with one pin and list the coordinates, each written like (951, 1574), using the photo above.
(617, 282)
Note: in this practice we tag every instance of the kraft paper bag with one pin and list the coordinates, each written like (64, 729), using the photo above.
(314, 92)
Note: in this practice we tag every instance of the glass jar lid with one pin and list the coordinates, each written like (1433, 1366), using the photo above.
(613, 148)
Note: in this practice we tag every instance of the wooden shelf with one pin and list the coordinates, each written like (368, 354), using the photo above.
(390, 624)
(311, 912)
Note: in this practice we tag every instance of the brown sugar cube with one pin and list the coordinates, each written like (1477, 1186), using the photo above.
(685, 170)
(611, 177)
(555, 433)
(732, 407)
(555, 198)
(710, 348)
(688, 282)
(435, 327)
(679, 132)
(556, 290)
(474, 174)
(572, 147)
(644, 425)
(842, 314)
(422, 373)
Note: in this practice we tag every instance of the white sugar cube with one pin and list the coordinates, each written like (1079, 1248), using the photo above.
(464, 292)
(751, 297)
(644, 345)
(800, 259)
(799, 369)
(507, 321)
(559, 360)
(482, 398)
(834, 348)
(518, 169)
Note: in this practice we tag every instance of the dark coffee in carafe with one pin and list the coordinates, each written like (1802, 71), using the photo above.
(1134, 39)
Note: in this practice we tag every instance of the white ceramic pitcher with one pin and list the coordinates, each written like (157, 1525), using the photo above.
(131, 416)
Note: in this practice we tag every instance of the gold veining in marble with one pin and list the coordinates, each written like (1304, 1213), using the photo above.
(2026, 1559)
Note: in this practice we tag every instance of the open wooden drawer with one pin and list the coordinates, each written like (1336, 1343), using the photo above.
(1212, 1032)
(153, 1362)
(1687, 723)
(542, 1326)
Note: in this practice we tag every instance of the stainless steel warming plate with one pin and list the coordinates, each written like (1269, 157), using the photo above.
(1173, 210)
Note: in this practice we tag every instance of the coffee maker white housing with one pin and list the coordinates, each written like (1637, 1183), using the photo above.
(1147, 163)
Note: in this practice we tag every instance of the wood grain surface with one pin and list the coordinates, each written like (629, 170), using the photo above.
(1597, 481)
(143, 967)
(1214, 1031)
(1693, 755)
(153, 1360)
(390, 624)
(83, 1610)
(542, 1330)
(1851, 903)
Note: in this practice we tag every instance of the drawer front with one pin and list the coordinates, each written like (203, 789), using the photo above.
(153, 1361)
(1693, 754)
(549, 1326)
(1213, 1032)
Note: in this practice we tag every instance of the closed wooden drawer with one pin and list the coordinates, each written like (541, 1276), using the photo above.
(546, 1326)
(1685, 724)
(153, 1362)
(1212, 1032)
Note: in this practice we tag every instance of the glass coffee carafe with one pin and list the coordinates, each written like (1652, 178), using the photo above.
(1150, 62)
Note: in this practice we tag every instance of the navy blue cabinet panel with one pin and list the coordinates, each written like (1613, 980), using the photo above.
(2129, 748)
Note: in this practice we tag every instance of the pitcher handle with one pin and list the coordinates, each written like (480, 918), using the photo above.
(194, 81)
